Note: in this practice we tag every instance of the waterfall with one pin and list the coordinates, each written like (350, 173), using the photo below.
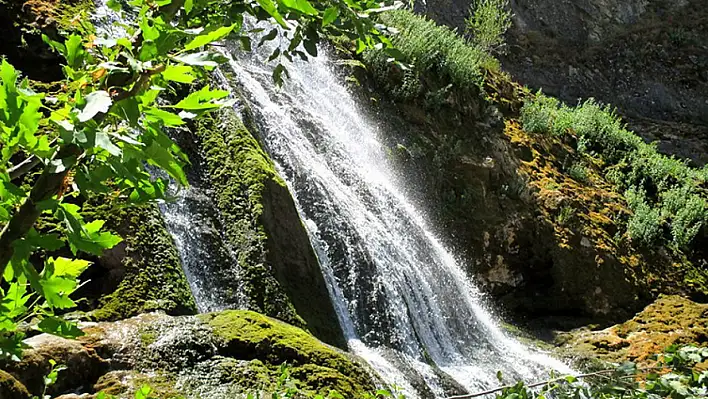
(403, 300)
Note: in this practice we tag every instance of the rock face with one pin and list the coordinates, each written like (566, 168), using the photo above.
(214, 355)
(649, 58)
(279, 272)
(141, 274)
(545, 241)
(668, 321)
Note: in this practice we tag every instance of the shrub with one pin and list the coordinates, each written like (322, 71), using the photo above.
(659, 189)
(429, 48)
(488, 22)
(578, 172)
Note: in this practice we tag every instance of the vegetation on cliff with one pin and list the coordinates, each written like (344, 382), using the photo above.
(575, 205)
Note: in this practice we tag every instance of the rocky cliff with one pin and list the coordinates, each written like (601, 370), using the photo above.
(649, 58)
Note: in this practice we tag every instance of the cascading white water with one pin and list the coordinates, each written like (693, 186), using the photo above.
(395, 286)
(403, 301)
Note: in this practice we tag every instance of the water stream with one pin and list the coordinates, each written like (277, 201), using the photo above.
(403, 300)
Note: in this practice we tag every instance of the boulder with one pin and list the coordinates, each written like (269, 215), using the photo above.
(214, 355)
(670, 320)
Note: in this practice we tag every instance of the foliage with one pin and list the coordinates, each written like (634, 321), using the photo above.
(675, 376)
(488, 22)
(428, 48)
(109, 122)
(667, 197)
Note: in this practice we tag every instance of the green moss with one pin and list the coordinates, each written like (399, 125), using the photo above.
(316, 366)
(239, 171)
(11, 388)
(153, 277)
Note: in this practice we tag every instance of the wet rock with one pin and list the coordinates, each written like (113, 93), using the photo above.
(84, 366)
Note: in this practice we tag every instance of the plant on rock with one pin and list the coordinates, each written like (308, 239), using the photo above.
(108, 122)
(488, 22)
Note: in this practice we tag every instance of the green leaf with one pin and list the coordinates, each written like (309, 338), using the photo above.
(207, 38)
(188, 5)
(103, 141)
(66, 267)
(127, 109)
(278, 72)
(74, 51)
(303, 6)
(330, 15)
(167, 118)
(114, 5)
(97, 101)
(272, 10)
(268, 37)
(11, 346)
(50, 242)
(58, 47)
(179, 73)
(202, 58)
(310, 47)
(202, 99)
(59, 327)
(160, 156)
(143, 392)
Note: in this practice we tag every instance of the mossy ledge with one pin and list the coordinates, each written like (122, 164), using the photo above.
(211, 356)
(281, 274)
(316, 366)
(143, 273)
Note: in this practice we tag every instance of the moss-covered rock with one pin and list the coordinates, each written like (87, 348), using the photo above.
(216, 355)
(670, 320)
(537, 220)
(317, 366)
(11, 388)
(281, 275)
(141, 274)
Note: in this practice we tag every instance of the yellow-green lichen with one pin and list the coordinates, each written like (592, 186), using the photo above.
(670, 320)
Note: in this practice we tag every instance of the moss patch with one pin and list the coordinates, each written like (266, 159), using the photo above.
(143, 273)
(280, 272)
(239, 171)
(11, 388)
(249, 335)
(668, 321)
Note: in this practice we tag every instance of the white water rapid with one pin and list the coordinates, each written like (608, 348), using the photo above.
(404, 302)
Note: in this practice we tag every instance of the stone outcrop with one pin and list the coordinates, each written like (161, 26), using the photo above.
(670, 320)
(279, 272)
(214, 355)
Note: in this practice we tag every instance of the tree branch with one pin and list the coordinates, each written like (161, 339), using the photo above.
(47, 185)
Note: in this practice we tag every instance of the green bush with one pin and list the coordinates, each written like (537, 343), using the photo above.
(428, 48)
(667, 197)
(578, 172)
(488, 22)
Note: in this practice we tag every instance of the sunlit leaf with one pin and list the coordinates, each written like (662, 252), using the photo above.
(207, 38)
(97, 101)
